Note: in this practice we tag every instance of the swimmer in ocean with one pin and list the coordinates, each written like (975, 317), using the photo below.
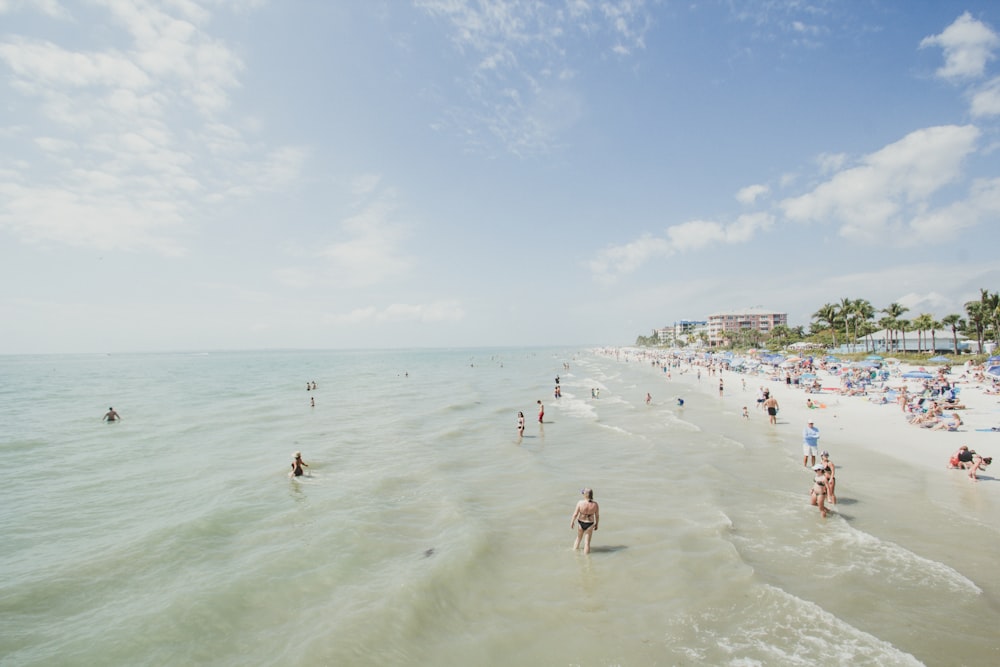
(112, 416)
(297, 465)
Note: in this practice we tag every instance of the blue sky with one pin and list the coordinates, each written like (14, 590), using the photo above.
(245, 174)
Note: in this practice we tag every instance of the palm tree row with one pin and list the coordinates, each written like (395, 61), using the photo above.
(855, 317)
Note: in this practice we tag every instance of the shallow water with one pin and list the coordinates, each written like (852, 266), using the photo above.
(427, 534)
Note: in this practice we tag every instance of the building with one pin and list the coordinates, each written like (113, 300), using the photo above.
(724, 327)
(682, 332)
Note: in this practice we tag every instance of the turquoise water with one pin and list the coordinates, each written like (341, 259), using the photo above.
(428, 534)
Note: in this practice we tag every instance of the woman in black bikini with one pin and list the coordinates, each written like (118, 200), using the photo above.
(585, 519)
(817, 494)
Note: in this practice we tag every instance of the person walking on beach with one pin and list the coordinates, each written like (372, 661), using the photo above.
(541, 411)
(111, 416)
(585, 519)
(297, 465)
(817, 495)
(831, 476)
(649, 398)
(720, 387)
(810, 443)
(520, 424)
(771, 405)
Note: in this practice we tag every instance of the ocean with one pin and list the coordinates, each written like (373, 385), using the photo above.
(428, 533)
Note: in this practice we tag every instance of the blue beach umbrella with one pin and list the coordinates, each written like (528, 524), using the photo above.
(874, 357)
(917, 375)
(994, 370)
(940, 359)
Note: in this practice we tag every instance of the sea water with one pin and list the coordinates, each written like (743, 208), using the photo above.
(428, 533)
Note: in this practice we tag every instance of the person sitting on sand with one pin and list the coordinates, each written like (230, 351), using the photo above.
(297, 465)
(948, 424)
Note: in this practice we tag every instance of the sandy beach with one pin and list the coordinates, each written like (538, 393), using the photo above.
(849, 423)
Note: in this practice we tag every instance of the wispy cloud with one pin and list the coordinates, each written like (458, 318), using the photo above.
(517, 82)
(437, 311)
(968, 45)
(133, 145)
(751, 194)
(886, 190)
(370, 248)
(694, 235)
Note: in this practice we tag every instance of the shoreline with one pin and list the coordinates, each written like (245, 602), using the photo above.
(853, 422)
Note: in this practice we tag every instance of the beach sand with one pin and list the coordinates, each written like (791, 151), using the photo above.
(852, 425)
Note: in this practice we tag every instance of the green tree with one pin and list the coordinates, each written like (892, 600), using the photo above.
(956, 322)
(827, 317)
(921, 323)
(976, 323)
(895, 311)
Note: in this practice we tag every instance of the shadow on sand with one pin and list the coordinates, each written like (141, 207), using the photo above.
(608, 549)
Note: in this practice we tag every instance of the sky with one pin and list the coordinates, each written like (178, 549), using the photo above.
(296, 174)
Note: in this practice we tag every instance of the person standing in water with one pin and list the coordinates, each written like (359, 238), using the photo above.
(541, 412)
(520, 424)
(297, 465)
(585, 519)
(111, 416)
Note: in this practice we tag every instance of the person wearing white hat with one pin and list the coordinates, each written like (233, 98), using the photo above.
(810, 444)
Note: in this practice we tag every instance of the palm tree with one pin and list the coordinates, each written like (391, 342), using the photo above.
(845, 310)
(935, 325)
(975, 323)
(863, 313)
(903, 326)
(827, 316)
(895, 310)
(923, 322)
(886, 324)
(991, 311)
(955, 322)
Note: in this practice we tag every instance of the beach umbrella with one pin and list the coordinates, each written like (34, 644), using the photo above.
(832, 358)
(917, 375)
(874, 356)
(994, 370)
(940, 359)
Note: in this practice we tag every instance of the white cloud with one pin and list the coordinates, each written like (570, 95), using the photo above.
(141, 127)
(373, 250)
(986, 100)
(830, 162)
(878, 195)
(685, 237)
(751, 193)
(365, 184)
(968, 45)
(437, 311)
(516, 62)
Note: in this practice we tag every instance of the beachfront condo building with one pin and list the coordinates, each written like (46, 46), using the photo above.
(683, 332)
(724, 327)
